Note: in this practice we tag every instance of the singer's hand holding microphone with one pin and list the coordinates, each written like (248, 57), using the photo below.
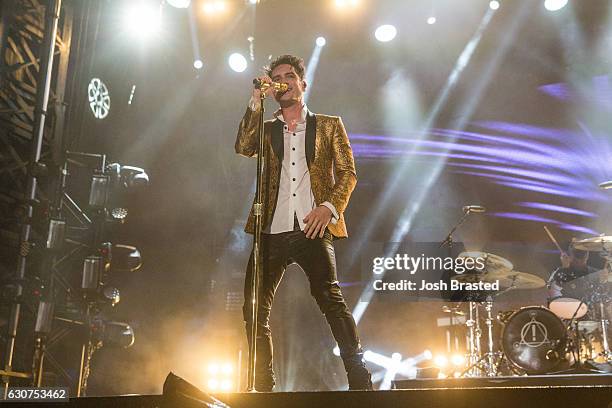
(257, 85)
(264, 83)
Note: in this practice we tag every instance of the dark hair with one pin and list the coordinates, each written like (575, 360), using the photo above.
(578, 253)
(296, 62)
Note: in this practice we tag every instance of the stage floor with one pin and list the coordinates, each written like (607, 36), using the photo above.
(549, 381)
(593, 391)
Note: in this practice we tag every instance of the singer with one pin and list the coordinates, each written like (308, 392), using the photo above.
(303, 211)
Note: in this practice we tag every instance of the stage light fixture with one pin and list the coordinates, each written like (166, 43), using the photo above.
(494, 5)
(99, 98)
(457, 359)
(321, 41)
(125, 258)
(440, 361)
(119, 213)
(431, 20)
(143, 19)
(385, 33)
(108, 188)
(226, 385)
(181, 4)
(554, 5)
(133, 177)
(198, 64)
(113, 334)
(185, 394)
(44, 318)
(91, 276)
(56, 233)
(98, 192)
(237, 62)
(112, 295)
(213, 368)
(213, 384)
(220, 376)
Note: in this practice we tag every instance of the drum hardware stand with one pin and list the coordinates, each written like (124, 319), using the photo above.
(491, 369)
(474, 334)
(606, 353)
(573, 346)
(489, 363)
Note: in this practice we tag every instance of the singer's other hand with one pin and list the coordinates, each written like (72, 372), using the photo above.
(316, 222)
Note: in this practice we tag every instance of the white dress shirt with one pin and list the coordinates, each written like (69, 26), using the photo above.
(295, 197)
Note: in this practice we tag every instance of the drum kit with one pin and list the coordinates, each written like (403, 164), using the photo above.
(570, 335)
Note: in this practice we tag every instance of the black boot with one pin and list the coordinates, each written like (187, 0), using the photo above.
(264, 372)
(264, 381)
(359, 377)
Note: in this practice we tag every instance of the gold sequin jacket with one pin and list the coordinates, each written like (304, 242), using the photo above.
(328, 150)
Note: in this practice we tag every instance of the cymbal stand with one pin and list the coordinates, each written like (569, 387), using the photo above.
(605, 323)
(474, 334)
(491, 356)
(606, 353)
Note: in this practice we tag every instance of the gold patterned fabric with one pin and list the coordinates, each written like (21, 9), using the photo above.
(328, 153)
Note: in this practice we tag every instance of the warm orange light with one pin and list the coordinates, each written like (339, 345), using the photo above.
(214, 7)
(440, 361)
(457, 359)
(343, 4)
(213, 384)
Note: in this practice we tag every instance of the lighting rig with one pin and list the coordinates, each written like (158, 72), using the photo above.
(74, 291)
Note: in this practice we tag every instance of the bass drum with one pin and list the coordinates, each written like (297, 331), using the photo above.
(533, 339)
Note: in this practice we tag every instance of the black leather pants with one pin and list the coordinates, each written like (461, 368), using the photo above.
(316, 257)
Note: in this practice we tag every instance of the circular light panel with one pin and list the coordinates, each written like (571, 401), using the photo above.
(385, 33)
(237, 62)
(99, 98)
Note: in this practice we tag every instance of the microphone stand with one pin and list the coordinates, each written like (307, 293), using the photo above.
(448, 241)
(474, 355)
(256, 265)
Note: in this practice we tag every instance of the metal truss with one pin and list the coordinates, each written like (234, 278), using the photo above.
(35, 44)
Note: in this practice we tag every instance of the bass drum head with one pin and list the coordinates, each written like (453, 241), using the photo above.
(533, 339)
(566, 308)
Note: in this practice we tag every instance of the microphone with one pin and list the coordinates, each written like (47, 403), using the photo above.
(474, 209)
(277, 86)
(606, 185)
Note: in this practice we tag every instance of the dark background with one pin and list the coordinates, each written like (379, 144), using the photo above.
(181, 128)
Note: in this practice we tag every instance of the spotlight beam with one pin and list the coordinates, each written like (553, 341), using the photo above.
(392, 366)
(311, 69)
(193, 28)
(413, 207)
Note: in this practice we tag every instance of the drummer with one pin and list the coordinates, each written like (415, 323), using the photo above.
(563, 280)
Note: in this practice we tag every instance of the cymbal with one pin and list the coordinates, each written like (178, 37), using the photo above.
(493, 263)
(517, 280)
(507, 279)
(471, 277)
(594, 244)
